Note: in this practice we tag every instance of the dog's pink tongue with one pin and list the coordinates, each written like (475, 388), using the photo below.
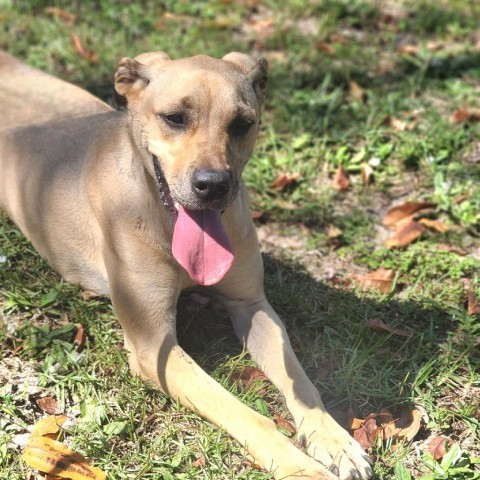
(201, 246)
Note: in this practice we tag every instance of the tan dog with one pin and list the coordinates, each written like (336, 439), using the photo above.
(141, 206)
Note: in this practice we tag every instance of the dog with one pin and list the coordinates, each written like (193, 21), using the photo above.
(142, 204)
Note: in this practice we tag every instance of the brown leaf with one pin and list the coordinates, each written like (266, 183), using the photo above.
(87, 295)
(465, 115)
(284, 179)
(407, 233)
(409, 423)
(81, 51)
(255, 214)
(452, 248)
(61, 14)
(80, 337)
(381, 280)
(473, 304)
(357, 93)
(333, 232)
(438, 446)
(366, 173)
(285, 424)
(49, 405)
(410, 49)
(404, 210)
(340, 180)
(326, 47)
(401, 125)
(199, 461)
(436, 225)
(366, 434)
(338, 38)
(248, 377)
(380, 326)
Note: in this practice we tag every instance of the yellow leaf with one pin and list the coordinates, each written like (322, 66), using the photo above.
(48, 425)
(53, 457)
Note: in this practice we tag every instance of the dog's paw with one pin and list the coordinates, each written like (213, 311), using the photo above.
(332, 446)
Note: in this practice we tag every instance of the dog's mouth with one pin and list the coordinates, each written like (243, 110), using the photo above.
(199, 244)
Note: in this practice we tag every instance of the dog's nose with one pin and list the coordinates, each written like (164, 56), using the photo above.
(210, 184)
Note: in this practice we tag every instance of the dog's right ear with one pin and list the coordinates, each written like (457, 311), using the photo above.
(131, 76)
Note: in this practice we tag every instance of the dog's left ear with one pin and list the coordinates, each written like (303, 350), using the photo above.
(134, 74)
(256, 69)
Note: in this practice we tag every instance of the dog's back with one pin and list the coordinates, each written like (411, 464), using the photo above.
(29, 96)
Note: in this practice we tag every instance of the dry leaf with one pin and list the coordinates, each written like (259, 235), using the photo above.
(87, 295)
(401, 125)
(199, 461)
(49, 405)
(285, 424)
(53, 457)
(80, 337)
(473, 304)
(284, 179)
(409, 423)
(366, 173)
(357, 93)
(452, 248)
(333, 232)
(409, 230)
(381, 280)
(255, 215)
(380, 326)
(249, 377)
(438, 446)
(404, 210)
(366, 434)
(81, 51)
(436, 225)
(409, 49)
(338, 38)
(61, 14)
(465, 116)
(340, 180)
(326, 47)
(48, 425)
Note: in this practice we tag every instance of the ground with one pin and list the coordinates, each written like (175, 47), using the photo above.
(371, 104)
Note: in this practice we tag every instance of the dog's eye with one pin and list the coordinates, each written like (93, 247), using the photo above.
(174, 120)
(240, 126)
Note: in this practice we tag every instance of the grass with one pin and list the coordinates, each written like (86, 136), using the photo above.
(413, 61)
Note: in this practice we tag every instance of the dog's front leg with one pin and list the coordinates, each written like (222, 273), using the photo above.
(146, 306)
(264, 335)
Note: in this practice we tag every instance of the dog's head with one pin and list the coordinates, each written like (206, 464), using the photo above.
(194, 122)
(198, 117)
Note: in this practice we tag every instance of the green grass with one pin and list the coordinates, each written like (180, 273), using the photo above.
(312, 124)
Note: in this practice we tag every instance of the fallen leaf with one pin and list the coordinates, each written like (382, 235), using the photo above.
(366, 434)
(366, 173)
(436, 225)
(53, 457)
(409, 423)
(338, 38)
(88, 295)
(284, 179)
(381, 280)
(326, 47)
(473, 304)
(285, 424)
(49, 425)
(357, 93)
(460, 199)
(409, 49)
(248, 377)
(333, 232)
(401, 125)
(404, 210)
(80, 337)
(465, 115)
(407, 233)
(380, 326)
(49, 405)
(81, 51)
(438, 446)
(61, 14)
(340, 180)
(199, 461)
(255, 214)
(452, 248)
